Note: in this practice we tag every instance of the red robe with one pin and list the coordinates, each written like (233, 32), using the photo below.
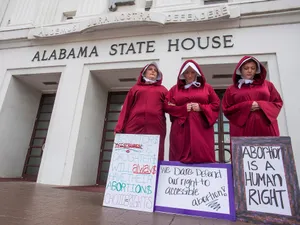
(192, 133)
(142, 111)
(237, 104)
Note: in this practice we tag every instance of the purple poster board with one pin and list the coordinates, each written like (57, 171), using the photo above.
(204, 190)
(265, 180)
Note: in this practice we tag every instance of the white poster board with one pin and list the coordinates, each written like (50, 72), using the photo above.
(265, 180)
(265, 183)
(198, 189)
(132, 173)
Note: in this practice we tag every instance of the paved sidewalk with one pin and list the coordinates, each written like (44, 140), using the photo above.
(27, 203)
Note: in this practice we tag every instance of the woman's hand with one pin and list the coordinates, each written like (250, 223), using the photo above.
(255, 106)
(196, 107)
(189, 107)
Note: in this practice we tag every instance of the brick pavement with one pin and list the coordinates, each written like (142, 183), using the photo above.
(28, 203)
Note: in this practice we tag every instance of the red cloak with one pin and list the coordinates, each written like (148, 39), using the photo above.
(192, 133)
(237, 102)
(142, 111)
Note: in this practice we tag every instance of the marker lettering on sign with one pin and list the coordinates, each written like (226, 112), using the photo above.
(258, 179)
(266, 197)
(194, 188)
(265, 184)
(165, 169)
(182, 171)
(189, 182)
(210, 199)
(128, 200)
(173, 181)
(182, 191)
(143, 169)
(131, 178)
(127, 187)
(261, 152)
(132, 172)
(207, 173)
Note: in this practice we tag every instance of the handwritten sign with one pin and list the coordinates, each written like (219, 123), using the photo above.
(266, 185)
(132, 173)
(198, 189)
(266, 189)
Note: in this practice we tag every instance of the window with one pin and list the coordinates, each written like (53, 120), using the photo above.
(68, 15)
(210, 2)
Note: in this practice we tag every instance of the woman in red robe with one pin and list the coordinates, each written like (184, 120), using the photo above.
(252, 103)
(142, 111)
(193, 106)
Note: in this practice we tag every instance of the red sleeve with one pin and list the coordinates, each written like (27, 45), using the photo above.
(272, 107)
(164, 94)
(175, 111)
(211, 110)
(124, 112)
(237, 113)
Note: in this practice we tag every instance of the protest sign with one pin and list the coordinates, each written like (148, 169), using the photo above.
(266, 185)
(132, 172)
(195, 189)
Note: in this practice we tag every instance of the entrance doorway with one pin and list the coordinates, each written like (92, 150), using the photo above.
(222, 136)
(114, 105)
(38, 137)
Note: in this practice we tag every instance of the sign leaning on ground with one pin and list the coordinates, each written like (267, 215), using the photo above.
(132, 172)
(266, 186)
(195, 189)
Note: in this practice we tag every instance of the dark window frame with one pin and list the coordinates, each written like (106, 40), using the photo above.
(25, 174)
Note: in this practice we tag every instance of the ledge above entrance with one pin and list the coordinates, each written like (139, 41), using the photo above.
(119, 20)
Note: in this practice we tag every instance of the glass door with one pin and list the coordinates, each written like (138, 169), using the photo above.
(222, 136)
(113, 109)
(38, 138)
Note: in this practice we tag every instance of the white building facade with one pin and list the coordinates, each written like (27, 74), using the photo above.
(65, 67)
